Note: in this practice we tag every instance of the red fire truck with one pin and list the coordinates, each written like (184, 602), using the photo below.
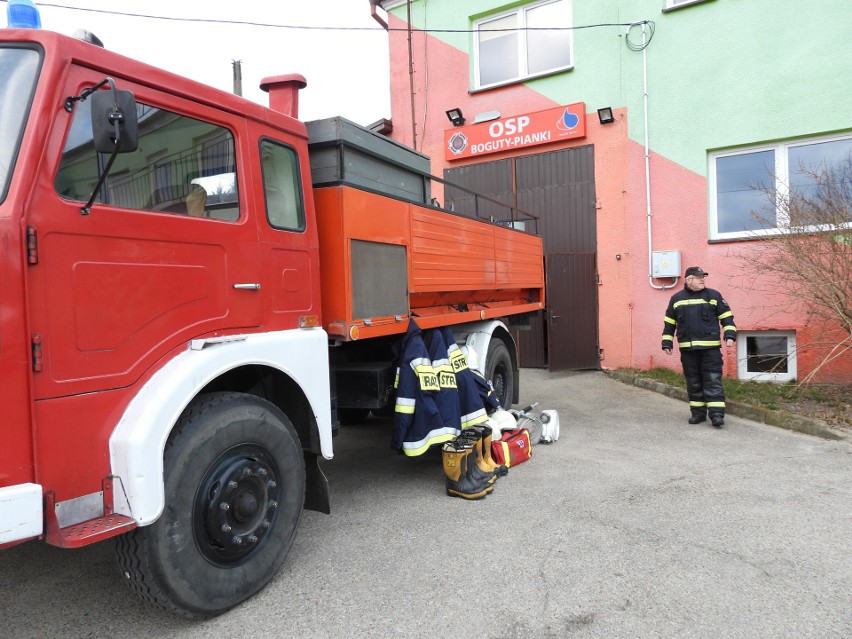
(193, 288)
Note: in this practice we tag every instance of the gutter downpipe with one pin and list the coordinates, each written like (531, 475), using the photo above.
(377, 17)
(648, 164)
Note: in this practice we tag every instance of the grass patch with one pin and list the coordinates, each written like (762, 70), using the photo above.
(829, 402)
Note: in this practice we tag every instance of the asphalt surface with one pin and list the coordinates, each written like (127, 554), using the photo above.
(634, 524)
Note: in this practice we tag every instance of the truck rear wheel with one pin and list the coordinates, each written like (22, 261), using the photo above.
(234, 480)
(499, 371)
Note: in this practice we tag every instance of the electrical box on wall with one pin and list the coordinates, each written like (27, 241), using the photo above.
(665, 264)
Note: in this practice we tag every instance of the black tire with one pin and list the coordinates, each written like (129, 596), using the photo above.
(499, 371)
(234, 479)
(352, 416)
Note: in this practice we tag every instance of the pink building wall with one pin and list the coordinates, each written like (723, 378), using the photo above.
(630, 310)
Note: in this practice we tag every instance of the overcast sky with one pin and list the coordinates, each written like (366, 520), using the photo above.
(347, 71)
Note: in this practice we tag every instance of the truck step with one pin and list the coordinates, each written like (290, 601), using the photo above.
(87, 532)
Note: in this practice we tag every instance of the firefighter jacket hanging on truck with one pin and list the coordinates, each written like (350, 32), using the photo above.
(475, 394)
(418, 422)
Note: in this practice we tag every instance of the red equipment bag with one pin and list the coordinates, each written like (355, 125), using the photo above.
(513, 448)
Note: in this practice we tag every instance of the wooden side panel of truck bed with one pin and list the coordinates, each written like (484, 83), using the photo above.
(457, 269)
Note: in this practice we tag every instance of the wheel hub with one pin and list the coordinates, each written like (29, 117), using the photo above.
(236, 505)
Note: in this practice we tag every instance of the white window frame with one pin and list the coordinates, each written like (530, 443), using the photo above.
(742, 357)
(782, 180)
(523, 74)
(677, 4)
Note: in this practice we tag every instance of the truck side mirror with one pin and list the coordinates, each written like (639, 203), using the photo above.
(115, 128)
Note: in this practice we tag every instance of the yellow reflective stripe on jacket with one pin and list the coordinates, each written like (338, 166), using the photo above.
(731, 328)
(474, 418)
(695, 301)
(668, 338)
(405, 405)
(690, 344)
(724, 315)
(438, 436)
(669, 320)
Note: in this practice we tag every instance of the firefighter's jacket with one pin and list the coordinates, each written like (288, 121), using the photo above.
(471, 403)
(695, 316)
(447, 398)
(417, 423)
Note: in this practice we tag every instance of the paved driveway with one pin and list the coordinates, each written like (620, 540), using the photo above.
(634, 524)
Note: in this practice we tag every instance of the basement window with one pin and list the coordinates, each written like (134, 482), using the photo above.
(766, 356)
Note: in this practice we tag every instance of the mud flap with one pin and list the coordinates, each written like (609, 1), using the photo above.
(316, 485)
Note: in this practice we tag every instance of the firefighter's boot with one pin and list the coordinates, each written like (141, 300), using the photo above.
(698, 415)
(457, 459)
(480, 469)
(501, 470)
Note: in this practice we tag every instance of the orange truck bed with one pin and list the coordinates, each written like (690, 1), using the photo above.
(383, 260)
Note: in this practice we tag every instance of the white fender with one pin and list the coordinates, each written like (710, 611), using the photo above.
(138, 441)
(476, 336)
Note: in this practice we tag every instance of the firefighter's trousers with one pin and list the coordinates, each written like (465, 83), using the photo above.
(703, 371)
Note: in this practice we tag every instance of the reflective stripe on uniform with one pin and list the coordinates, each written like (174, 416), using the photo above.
(437, 436)
(724, 315)
(405, 405)
(669, 320)
(668, 338)
(697, 404)
(690, 344)
(733, 329)
(692, 302)
(474, 418)
(715, 404)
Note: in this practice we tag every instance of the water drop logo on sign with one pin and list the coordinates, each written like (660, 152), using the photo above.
(516, 132)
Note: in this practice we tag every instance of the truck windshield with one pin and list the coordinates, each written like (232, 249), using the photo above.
(19, 70)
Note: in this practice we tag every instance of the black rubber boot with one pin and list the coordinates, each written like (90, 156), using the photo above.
(717, 420)
(698, 416)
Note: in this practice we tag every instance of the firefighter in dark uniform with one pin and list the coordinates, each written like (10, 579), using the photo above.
(696, 313)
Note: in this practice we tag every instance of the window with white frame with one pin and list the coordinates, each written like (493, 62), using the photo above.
(766, 356)
(745, 184)
(527, 41)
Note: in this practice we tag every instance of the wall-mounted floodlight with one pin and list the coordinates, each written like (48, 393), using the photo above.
(605, 115)
(456, 117)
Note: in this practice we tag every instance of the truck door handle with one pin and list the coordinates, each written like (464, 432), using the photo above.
(248, 287)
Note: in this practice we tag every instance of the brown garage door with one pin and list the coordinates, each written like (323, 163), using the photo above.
(559, 186)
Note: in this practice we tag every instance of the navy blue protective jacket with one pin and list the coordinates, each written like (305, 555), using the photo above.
(696, 316)
(418, 422)
(472, 391)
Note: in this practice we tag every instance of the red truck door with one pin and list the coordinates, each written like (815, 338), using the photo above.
(286, 228)
(154, 265)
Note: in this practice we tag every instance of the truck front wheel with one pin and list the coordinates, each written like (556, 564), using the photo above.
(499, 371)
(234, 481)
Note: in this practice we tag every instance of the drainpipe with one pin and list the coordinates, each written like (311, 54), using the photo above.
(376, 16)
(648, 163)
(411, 77)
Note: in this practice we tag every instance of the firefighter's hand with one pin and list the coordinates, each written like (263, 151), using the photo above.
(729, 343)
(667, 351)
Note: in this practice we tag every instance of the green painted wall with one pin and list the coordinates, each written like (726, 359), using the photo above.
(721, 73)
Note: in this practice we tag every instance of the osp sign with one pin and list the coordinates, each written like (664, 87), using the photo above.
(517, 132)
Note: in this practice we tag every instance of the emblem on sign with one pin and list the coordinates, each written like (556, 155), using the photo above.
(458, 143)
